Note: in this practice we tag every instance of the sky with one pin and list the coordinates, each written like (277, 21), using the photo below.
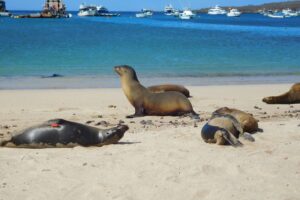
(133, 5)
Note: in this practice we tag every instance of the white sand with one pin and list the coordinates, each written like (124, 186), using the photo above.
(160, 161)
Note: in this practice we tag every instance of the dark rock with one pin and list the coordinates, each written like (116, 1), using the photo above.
(258, 108)
(102, 123)
(89, 122)
(112, 106)
(53, 76)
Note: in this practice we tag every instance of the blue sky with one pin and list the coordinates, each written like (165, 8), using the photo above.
(132, 5)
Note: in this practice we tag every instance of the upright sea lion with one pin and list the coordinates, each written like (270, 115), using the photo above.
(168, 88)
(224, 129)
(248, 122)
(148, 103)
(290, 97)
(63, 133)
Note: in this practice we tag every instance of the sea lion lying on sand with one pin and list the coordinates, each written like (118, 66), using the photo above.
(247, 121)
(290, 97)
(148, 103)
(224, 129)
(168, 88)
(63, 133)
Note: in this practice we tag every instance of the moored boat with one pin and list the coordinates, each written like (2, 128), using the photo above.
(234, 13)
(216, 11)
(3, 11)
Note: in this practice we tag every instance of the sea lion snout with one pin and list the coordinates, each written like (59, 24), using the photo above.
(112, 136)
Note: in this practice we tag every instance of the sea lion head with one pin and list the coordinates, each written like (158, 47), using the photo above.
(112, 136)
(268, 99)
(126, 71)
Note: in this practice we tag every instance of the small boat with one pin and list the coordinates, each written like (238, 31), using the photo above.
(216, 11)
(144, 13)
(188, 12)
(234, 13)
(276, 15)
(94, 11)
(141, 15)
(169, 10)
(289, 13)
(184, 16)
(147, 12)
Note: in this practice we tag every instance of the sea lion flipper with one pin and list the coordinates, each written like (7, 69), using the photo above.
(247, 136)
(139, 112)
(231, 139)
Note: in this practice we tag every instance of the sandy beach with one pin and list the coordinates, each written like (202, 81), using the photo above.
(165, 158)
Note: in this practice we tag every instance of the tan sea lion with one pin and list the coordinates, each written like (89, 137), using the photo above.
(224, 129)
(168, 88)
(148, 103)
(248, 122)
(290, 97)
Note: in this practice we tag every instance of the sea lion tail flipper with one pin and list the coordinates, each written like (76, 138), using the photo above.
(231, 139)
(195, 116)
(248, 136)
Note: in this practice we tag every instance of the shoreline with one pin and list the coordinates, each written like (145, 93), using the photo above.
(96, 82)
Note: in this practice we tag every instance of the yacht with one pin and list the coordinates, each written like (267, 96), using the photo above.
(234, 13)
(93, 10)
(3, 11)
(169, 10)
(188, 12)
(144, 13)
(277, 15)
(216, 11)
(147, 12)
(184, 16)
(289, 13)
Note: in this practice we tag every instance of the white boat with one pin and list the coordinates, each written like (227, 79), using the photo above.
(3, 11)
(91, 10)
(289, 13)
(234, 13)
(216, 11)
(276, 15)
(188, 12)
(184, 16)
(141, 15)
(147, 12)
(169, 10)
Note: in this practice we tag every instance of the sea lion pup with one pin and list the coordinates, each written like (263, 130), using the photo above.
(148, 103)
(224, 129)
(248, 122)
(63, 133)
(290, 97)
(168, 88)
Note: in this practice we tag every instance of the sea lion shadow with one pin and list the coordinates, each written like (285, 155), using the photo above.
(124, 143)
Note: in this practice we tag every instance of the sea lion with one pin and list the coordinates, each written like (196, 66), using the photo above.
(290, 97)
(248, 122)
(63, 133)
(168, 88)
(224, 129)
(148, 103)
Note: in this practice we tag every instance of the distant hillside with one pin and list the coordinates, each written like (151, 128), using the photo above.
(294, 5)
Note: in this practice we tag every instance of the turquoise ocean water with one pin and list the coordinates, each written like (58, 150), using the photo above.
(205, 50)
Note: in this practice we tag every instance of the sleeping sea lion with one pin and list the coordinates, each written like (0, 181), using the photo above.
(248, 122)
(63, 133)
(168, 88)
(290, 97)
(224, 129)
(148, 103)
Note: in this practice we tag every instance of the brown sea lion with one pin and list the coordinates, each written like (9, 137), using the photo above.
(224, 129)
(248, 122)
(148, 103)
(168, 88)
(290, 97)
